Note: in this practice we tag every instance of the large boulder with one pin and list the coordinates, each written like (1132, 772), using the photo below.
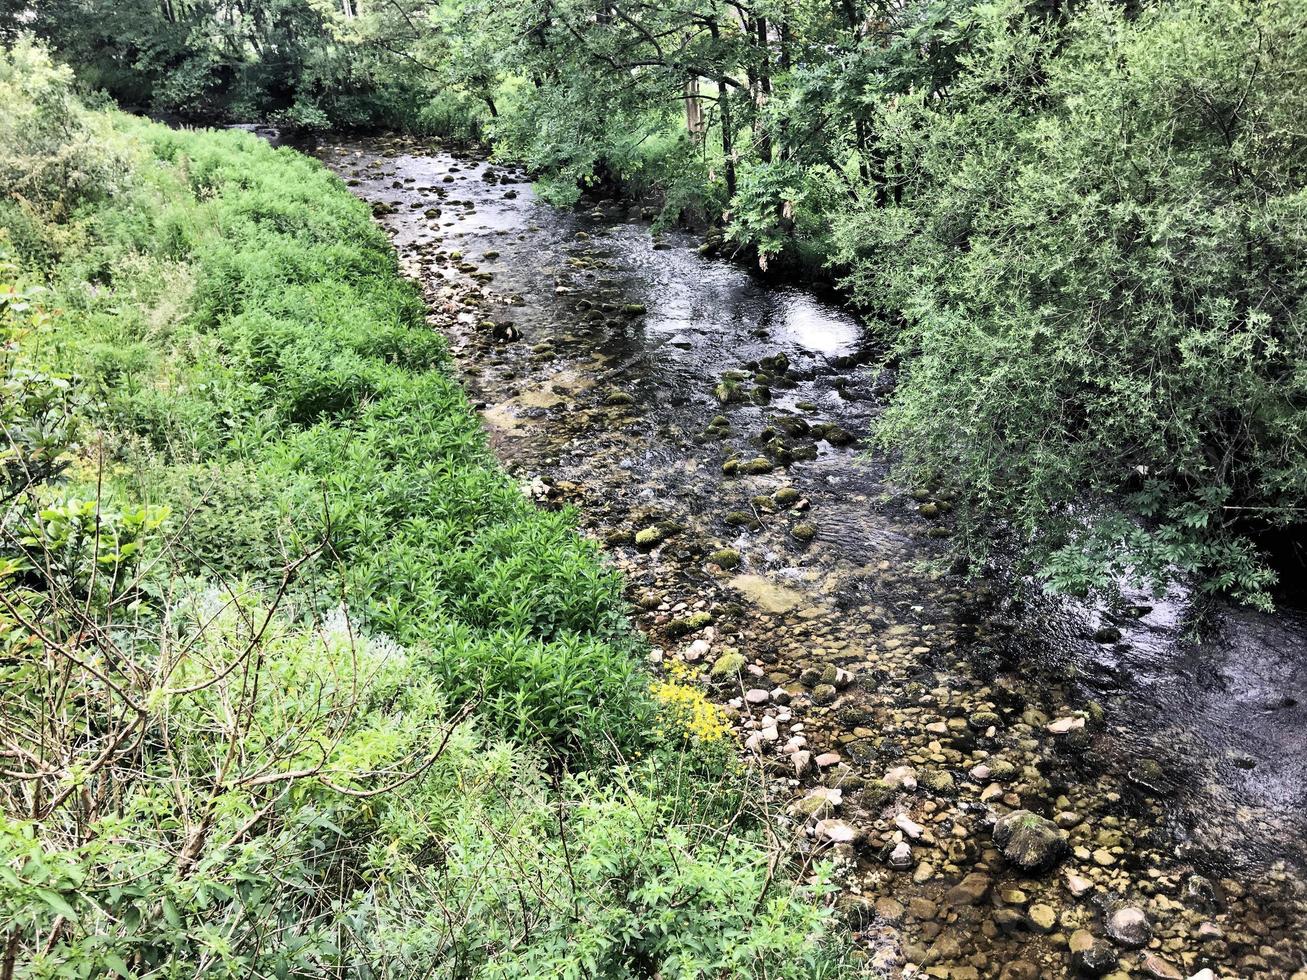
(1029, 841)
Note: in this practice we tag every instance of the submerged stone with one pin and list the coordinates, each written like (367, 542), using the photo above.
(1029, 841)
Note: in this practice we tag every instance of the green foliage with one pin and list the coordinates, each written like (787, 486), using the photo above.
(1098, 256)
(54, 154)
(295, 680)
(643, 890)
(296, 63)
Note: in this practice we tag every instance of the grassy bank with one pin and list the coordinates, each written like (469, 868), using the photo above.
(295, 681)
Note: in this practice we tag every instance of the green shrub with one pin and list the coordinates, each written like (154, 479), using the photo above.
(1099, 259)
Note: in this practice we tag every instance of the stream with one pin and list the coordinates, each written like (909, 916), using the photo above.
(708, 426)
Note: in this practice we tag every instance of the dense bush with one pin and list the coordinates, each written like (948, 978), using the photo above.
(1099, 261)
(295, 680)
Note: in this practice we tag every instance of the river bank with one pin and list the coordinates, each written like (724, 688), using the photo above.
(707, 427)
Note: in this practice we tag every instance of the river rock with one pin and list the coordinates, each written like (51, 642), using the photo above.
(909, 826)
(1029, 841)
(901, 857)
(1129, 926)
(971, 890)
(1155, 966)
(1077, 885)
(1090, 956)
(1041, 917)
(836, 831)
(901, 777)
(820, 803)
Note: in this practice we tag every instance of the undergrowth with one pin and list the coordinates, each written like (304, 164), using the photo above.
(296, 682)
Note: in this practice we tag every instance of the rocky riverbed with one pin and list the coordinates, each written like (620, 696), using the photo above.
(1012, 789)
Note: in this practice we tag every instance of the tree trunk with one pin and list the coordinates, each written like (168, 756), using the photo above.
(694, 121)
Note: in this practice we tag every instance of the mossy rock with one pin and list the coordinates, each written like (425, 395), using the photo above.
(617, 397)
(689, 624)
(760, 395)
(759, 465)
(804, 452)
(727, 391)
(786, 497)
(651, 536)
(792, 425)
(803, 531)
(728, 665)
(619, 535)
(1030, 842)
(634, 309)
(730, 467)
(824, 694)
(741, 518)
(727, 558)
(929, 509)
(939, 781)
(877, 793)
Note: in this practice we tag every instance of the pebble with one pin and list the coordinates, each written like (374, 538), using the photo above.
(1155, 966)
(836, 831)
(901, 777)
(908, 826)
(901, 857)
(1042, 917)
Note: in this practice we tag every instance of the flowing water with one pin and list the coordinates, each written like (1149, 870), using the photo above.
(593, 349)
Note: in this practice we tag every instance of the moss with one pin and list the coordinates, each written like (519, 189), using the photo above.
(728, 665)
(727, 558)
(741, 518)
(650, 536)
(803, 531)
(786, 497)
(692, 623)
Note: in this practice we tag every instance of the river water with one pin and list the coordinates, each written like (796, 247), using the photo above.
(621, 372)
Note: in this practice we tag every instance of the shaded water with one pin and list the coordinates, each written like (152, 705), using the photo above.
(559, 318)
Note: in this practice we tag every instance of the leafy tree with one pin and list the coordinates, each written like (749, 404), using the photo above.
(1098, 258)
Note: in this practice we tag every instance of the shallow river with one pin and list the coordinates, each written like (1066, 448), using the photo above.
(621, 373)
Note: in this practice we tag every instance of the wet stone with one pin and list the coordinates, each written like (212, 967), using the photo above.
(1129, 927)
(1029, 841)
(971, 890)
